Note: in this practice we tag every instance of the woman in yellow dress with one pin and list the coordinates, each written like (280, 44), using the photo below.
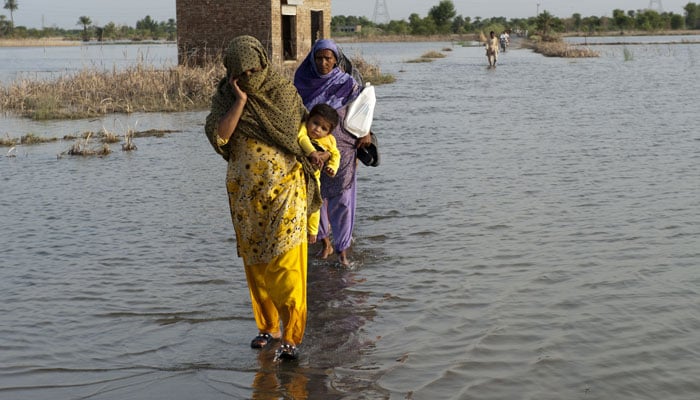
(253, 123)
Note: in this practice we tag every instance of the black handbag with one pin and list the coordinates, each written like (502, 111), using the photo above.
(370, 155)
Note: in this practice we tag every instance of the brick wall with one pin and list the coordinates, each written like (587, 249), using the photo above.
(204, 27)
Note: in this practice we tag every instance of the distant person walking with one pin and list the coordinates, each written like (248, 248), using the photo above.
(504, 41)
(492, 49)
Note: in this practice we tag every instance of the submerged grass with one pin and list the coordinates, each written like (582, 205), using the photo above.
(83, 147)
(27, 139)
(561, 49)
(420, 60)
(429, 56)
(433, 54)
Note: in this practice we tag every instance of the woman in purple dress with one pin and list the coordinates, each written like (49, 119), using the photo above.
(325, 77)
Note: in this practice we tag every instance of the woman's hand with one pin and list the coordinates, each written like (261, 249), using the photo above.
(229, 121)
(316, 159)
(240, 94)
(364, 141)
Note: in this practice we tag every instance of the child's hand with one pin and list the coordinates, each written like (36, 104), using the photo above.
(329, 171)
(312, 239)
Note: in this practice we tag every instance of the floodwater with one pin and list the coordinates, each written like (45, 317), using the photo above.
(532, 233)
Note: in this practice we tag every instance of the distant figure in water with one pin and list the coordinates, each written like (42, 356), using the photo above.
(492, 49)
(504, 41)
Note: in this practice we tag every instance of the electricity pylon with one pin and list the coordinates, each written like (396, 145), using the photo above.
(656, 6)
(381, 14)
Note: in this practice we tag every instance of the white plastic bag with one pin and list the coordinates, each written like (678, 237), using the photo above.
(358, 119)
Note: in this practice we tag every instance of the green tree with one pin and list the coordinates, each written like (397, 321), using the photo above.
(4, 26)
(85, 22)
(442, 14)
(576, 19)
(677, 21)
(421, 26)
(398, 27)
(545, 22)
(109, 31)
(147, 24)
(171, 28)
(461, 24)
(648, 20)
(12, 6)
(692, 16)
(621, 20)
(592, 24)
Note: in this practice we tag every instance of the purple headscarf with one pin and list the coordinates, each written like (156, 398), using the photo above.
(336, 88)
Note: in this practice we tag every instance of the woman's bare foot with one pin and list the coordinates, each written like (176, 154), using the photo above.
(327, 249)
(343, 258)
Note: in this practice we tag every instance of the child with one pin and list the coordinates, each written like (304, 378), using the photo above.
(315, 139)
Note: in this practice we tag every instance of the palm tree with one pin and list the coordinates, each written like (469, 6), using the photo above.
(544, 22)
(12, 6)
(85, 22)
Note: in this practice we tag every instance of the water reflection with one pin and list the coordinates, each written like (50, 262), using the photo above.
(275, 380)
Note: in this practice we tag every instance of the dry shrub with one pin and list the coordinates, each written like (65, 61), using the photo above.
(92, 92)
(433, 54)
(371, 72)
(82, 147)
(7, 141)
(128, 144)
(109, 137)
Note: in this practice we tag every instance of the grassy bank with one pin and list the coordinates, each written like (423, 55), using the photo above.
(93, 92)
(44, 42)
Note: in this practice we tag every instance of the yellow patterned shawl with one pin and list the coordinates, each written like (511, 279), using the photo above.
(272, 114)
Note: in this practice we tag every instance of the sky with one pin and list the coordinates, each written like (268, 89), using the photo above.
(65, 14)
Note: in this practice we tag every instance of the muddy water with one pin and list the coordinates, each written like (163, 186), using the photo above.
(531, 233)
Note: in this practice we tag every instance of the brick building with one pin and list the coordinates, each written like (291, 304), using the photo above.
(287, 28)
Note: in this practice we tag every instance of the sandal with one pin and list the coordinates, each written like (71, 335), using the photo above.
(287, 352)
(260, 341)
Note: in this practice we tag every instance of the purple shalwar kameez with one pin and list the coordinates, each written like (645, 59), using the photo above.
(339, 194)
(337, 89)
